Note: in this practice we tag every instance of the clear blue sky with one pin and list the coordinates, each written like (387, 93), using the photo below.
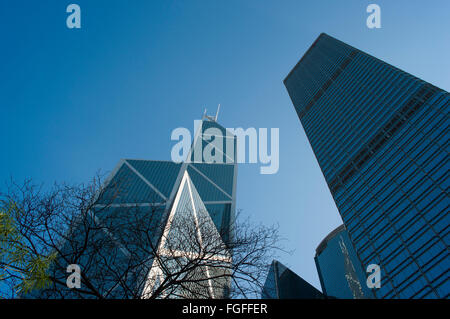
(76, 101)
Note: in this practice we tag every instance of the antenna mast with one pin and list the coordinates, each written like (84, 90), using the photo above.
(210, 118)
(217, 113)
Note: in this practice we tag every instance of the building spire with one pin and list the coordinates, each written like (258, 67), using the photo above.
(211, 118)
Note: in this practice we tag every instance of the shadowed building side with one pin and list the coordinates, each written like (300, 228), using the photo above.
(283, 283)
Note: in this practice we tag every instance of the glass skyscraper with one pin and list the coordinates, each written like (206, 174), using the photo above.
(339, 269)
(381, 138)
(159, 197)
(283, 283)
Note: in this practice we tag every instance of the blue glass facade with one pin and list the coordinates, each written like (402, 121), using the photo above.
(148, 193)
(283, 283)
(339, 269)
(381, 138)
(211, 185)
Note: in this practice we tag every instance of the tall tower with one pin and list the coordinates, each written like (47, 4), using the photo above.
(198, 192)
(152, 218)
(381, 138)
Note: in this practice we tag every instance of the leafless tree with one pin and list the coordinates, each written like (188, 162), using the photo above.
(131, 251)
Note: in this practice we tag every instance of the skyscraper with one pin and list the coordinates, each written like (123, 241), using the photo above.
(339, 269)
(381, 138)
(283, 283)
(156, 216)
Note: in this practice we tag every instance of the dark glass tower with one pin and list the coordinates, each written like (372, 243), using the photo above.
(339, 269)
(283, 283)
(381, 138)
